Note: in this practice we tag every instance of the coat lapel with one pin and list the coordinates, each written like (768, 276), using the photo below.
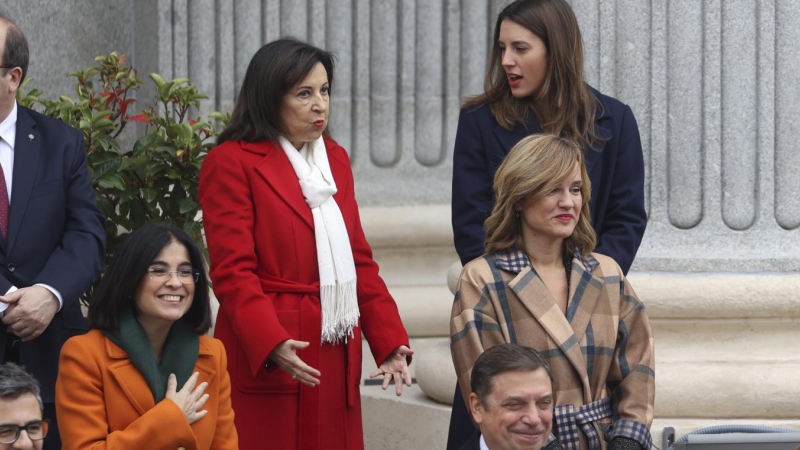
(130, 380)
(26, 161)
(535, 296)
(584, 292)
(594, 155)
(133, 383)
(340, 165)
(509, 138)
(205, 364)
(280, 176)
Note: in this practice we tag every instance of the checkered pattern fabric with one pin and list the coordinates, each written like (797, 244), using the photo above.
(601, 350)
(630, 429)
(570, 419)
(515, 260)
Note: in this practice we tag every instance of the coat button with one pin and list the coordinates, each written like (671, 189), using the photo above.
(11, 267)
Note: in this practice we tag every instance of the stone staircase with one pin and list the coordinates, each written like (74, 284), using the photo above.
(725, 342)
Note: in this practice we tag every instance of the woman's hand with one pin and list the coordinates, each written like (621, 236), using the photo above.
(189, 399)
(395, 367)
(286, 358)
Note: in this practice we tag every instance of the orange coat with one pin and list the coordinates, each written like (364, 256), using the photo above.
(103, 402)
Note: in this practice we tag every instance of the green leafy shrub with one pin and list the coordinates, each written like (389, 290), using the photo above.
(156, 179)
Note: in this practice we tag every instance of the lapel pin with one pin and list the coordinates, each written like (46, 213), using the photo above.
(30, 136)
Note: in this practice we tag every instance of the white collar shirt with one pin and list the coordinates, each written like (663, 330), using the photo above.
(483, 443)
(8, 137)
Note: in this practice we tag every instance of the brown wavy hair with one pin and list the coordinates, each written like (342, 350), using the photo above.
(537, 165)
(572, 106)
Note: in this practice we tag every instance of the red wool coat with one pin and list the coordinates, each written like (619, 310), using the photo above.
(260, 235)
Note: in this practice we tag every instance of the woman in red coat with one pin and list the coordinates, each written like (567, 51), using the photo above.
(291, 268)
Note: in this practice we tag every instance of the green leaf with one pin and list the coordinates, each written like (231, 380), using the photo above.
(113, 179)
(157, 79)
(104, 124)
(145, 142)
(188, 205)
(150, 194)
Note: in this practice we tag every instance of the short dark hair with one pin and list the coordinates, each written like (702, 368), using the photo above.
(128, 267)
(274, 70)
(499, 359)
(16, 382)
(16, 49)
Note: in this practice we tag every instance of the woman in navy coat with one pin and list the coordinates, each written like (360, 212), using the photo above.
(535, 84)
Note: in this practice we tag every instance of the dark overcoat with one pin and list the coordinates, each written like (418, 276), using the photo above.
(616, 170)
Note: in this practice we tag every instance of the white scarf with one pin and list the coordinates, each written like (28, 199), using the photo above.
(337, 271)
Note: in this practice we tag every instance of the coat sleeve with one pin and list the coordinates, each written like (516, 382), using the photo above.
(631, 377)
(82, 416)
(473, 328)
(472, 197)
(75, 264)
(625, 216)
(225, 436)
(229, 224)
(380, 318)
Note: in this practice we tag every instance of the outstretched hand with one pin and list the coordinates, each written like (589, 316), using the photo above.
(285, 356)
(395, 367)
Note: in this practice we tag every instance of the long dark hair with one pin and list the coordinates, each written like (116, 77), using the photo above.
(118, 287)
(274, 70)
(572, 105)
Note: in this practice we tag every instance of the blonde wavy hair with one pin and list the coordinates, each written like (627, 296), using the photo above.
(537, 165)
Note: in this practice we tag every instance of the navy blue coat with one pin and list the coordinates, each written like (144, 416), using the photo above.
(616, 172)
(55, 234)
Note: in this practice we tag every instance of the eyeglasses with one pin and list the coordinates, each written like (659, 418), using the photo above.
(37, 430)
(185, 276)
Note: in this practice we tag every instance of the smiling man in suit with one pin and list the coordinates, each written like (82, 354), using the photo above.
(511, 400)
(52, 240)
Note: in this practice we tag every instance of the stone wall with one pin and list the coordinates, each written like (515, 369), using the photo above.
(712, 84)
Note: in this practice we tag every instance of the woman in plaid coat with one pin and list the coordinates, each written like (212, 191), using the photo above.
(541, 285)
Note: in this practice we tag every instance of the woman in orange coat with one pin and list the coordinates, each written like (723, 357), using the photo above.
(118, 384)
(293, 273)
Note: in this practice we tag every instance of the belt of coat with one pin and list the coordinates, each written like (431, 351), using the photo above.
(310, 305)
(569, 419)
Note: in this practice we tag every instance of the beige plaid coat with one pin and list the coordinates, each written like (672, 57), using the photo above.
(601, 353)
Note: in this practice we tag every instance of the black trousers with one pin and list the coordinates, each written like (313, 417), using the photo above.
(461, 426)
(53, 439)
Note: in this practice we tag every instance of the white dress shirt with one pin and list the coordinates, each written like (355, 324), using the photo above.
(8, 137)
(483, 444)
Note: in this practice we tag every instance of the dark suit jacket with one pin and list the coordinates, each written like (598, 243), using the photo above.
(616, 172)
(473, 443)
(55, 234)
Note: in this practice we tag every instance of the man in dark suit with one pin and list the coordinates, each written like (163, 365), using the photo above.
(52, 240)
(511, 400)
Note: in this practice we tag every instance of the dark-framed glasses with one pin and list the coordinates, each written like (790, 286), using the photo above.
(185, 276)
(37, 430)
